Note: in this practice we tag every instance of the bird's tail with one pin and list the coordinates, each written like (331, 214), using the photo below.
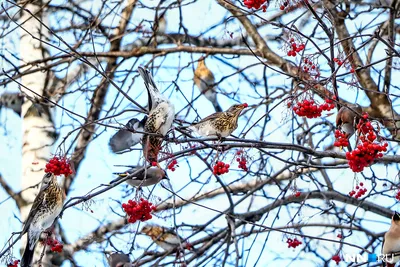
(28, 255)
(148, 79)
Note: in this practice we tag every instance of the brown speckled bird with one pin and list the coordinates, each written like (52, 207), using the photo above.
(205, 81)
(45, 209)
(347, 119)
(166, 238)
(220, 124)
(160, 119)
(391, 241)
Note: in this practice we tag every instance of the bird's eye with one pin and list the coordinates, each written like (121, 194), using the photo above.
(47, 175)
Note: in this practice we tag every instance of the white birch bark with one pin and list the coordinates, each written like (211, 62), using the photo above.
(38, 130)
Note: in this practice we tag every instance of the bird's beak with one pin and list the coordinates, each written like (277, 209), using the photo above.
(396, 216)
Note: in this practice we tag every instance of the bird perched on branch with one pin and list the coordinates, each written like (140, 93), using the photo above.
(347, 119)
(205, 81)
(220, 124)
(391, 241)
(160, 119)
(119, 260)
(166, 238)
(145, 177)
(160, 25)
(129, 136)
(45, 209)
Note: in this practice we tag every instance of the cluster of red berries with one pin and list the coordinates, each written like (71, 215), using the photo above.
(364, 155)
(13, 264)
(58, 166)
(138, 210)
(398, 195)
(341, 139)
(359, 191)
(337, 259)
(310, 109)
(295, 48)
(339, 236)
(154, 163)
(242, 161)
(310, 67)
(221, 168)
(171, 166)
(367, 150)
(297, 194)
(55, 245)
(338, 61)
(256, 4)
(293, 243)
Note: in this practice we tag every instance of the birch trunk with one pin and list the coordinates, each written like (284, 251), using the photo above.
(38, 129)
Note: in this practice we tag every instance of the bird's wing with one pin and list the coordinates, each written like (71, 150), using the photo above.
(210, 117)
(124, 138)
(39, 200)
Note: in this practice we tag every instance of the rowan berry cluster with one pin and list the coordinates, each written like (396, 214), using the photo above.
(256, 4)
(138, 210)
(59, 165)
(221, 168)
(154, 163)
(284, 5)
(241, 160)
(341, 139)
(13, 264)
(339, 236)
(337, 259)
(310, 67)
(368, 148)
(293, 243)
(172, 165)
(295, 48)
(310, 109)
(359, 191)
(297, 194)
(54, 245)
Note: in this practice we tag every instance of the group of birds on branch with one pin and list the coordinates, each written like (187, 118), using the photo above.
(151, 130)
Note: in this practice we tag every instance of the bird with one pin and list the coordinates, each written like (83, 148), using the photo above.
(347, 119)
(205, 81)
(129, 136)
(145, 177)
(164, 237)
(12, 101)
(160, 119)
(220, 124)
(391, 241)
(161, 24)
(45, 209)
(119, 260)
